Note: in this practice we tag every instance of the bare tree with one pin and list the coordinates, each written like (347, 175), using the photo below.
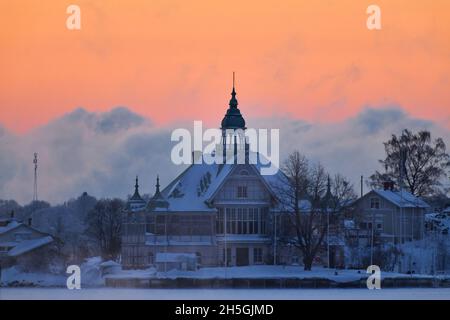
(421, 167)
(104, 224)
(305, 181)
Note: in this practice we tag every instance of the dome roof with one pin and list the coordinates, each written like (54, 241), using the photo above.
(233, 118)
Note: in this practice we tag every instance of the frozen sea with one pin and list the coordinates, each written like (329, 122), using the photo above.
(223, 294)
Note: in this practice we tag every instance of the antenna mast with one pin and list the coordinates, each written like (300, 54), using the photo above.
(35, 193)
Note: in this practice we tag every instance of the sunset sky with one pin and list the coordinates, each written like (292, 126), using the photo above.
(173, 60)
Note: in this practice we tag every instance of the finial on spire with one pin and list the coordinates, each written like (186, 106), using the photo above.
(136, 186)
(233, 80)
(233, 101)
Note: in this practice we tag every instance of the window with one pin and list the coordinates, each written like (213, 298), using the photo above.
(227, 259)
(150, 258)
(241, 220)
(219, 222)
(379, 226)
(295, 260)
(245, 221)
(374, 203)
(257, 255)
(242, 192)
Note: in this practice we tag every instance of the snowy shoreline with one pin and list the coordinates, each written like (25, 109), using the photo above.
(233, 277)
(224, 294)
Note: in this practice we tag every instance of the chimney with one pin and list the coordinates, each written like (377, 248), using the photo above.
(362, 188)
(388, 186)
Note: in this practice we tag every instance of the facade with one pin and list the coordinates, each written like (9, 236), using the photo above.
(387, 216)
(221, 213)
(22, 244)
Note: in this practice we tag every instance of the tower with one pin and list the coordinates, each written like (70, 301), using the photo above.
(233, 126)
(136, 203)
(35, 191)
(157, 201)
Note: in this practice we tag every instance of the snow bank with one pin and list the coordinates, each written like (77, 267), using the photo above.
(14, 277)
(271, 272)
(91, 276)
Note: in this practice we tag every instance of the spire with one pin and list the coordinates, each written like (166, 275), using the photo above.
(233, 100)
(136, 196)
(157, 201)
(328, 186)
(233, 118)
(157, 185)
(328, 195)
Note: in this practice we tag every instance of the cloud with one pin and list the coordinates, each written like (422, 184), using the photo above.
(101, 153)
(351, 147)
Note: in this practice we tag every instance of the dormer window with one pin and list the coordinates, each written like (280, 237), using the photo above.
(374, 203)
(242, 192)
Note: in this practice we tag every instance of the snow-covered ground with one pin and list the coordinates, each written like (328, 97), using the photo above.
(91, 275)
(270, 272)
(225, 294)
(93, 272)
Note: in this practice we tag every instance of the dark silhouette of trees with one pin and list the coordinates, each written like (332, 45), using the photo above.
(311, 182)
(415, 161)
(104, 225)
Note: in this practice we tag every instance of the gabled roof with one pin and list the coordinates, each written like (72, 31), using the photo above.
(402, 199)
(190, 190)
(29, 245)
(10, 226)
(195, 187)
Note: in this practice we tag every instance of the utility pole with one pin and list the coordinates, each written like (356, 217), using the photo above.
(225, 240)
(371, 245)
(275, 241)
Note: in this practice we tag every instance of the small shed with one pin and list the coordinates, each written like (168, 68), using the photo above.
(166, 261)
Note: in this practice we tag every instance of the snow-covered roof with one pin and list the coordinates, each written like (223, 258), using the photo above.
(193, 188)
(254, 238)
(402, 199)
(10, 226)
(29, 245)
(109, 264)
(440, 220)
(446, 210)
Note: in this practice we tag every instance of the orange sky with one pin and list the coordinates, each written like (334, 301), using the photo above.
(173, 60)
